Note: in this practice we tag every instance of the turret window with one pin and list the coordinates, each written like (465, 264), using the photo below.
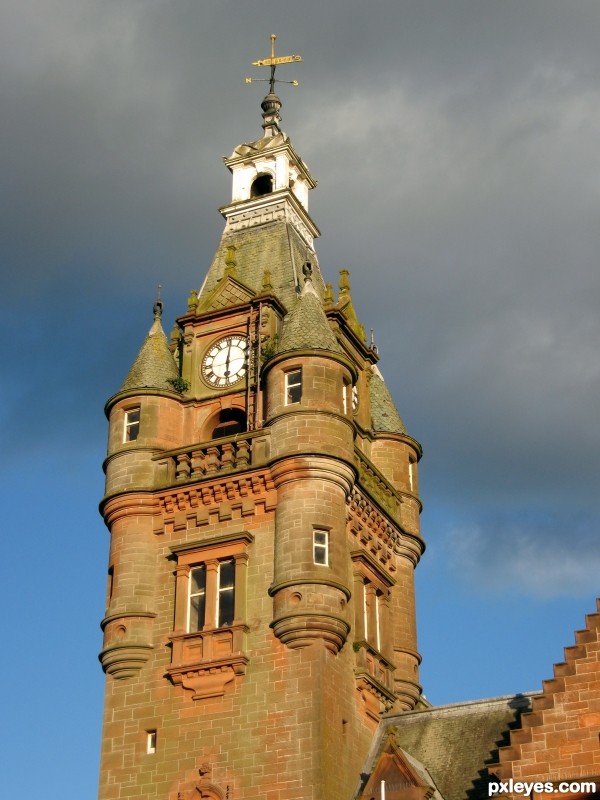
(131, 429)
(321, 547)
(293, 387)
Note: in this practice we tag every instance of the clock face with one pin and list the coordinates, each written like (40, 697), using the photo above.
(225, 362)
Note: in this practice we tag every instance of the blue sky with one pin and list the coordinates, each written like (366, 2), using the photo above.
(456, 148)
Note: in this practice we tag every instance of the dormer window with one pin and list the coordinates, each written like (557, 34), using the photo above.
(262, 184)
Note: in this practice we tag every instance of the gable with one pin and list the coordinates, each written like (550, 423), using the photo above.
(397, 776)
(228, 292)
(559, 739)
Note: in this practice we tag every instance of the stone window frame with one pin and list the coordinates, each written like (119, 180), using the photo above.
(209, 659)
(131, 425)
(320, 546)
(374, 665)
(214, 590)
(372, 591)
(289, 386)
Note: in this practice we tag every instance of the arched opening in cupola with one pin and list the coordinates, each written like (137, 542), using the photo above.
(262, 184)
(229, 422)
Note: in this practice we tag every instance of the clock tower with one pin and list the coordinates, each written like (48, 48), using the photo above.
(262, 503)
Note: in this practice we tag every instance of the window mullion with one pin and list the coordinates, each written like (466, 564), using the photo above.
(212, 588)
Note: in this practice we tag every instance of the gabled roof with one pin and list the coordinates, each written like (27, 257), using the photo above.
(384, 414)
(403, 776)
(306, 326)
(228, 292)
(154, 365)
(456, 743)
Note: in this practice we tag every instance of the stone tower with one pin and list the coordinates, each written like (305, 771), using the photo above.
(262, 502)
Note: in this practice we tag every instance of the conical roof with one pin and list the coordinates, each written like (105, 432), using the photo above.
(384, 414)
(306, 326)
(155, 366)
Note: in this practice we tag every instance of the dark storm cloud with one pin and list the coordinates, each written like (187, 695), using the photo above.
(456, 148)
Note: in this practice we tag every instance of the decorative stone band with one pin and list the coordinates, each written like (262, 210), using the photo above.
(299, 465)
(309, 582)
(274, 207)
(124, 661)
(407, 694)
(301, 630)
(131, 504)
(125, 651)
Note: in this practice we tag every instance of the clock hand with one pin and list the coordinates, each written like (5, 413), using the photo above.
(227, 361)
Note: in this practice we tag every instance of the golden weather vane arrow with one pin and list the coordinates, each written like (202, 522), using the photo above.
(273, 62)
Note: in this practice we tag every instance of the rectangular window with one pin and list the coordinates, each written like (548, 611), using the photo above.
(222, 594)
(226, 593)
(345, 397)
(321, 547)
(131, 429)
(411, 473)
(151, 742)
(293, 387)
(197, 602)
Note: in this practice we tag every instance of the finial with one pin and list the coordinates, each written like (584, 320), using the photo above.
(192, 300)
(344, 280)
(328, 295)
(158, 306)
(307, 271)
(372, 345)
(272, 104)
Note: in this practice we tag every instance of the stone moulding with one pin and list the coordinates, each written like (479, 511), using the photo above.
(211, 679)
(301, 630)
(124, 660)
(374, 699)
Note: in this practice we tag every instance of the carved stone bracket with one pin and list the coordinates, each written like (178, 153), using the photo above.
(211, 679)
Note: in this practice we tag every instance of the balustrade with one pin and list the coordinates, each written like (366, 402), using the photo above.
(212, 458)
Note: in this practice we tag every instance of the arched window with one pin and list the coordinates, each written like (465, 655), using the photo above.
(229, 422)
(262, 184)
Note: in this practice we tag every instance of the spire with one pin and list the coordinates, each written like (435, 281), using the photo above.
(154, 367)
(384, 414)
(306, 326)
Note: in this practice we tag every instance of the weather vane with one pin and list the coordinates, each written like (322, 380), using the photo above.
(273, 62)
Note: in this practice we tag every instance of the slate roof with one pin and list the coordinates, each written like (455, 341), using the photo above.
(279, 249)
(456, 742)
(306, 326)
(384, 414)
(154, 365)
